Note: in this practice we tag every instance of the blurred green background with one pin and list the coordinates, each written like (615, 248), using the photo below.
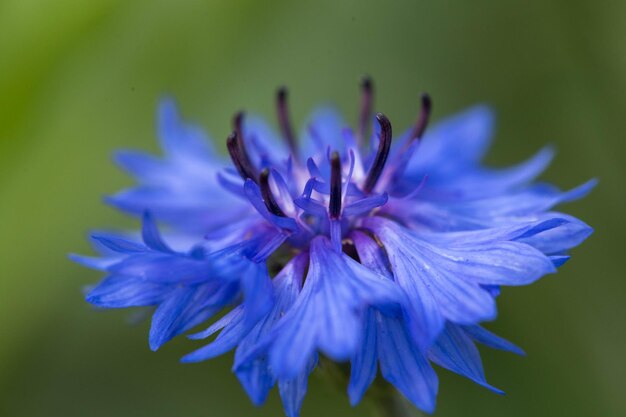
(79, 79)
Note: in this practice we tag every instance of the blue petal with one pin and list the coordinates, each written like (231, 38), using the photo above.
(511, 231)
(251, 361)
(265, 143)
(179, 188)
(530, 200)
(494, 290)
(313, 169)
(200, 211)
(481, 182)
(454, 350)
(253, 193)
(454, 142)
(491, 181)
(257, 291)
(431, 278)
(256, 379)
(235, 329)
(578, 192)
(485, 337)
(120, 291)
(570, 233)
(476, 256)
(323, 129)
(498, 263)
(365, 205)
(292, 391)
(371, 255)
(238, 326)
(287, 286)
(373, 288)
(336, 293)
(164, 268)
(311, 206)
(179, 140)
(231, 183)
(119, 245)
(285, 192)
(364, 364)
(552, 233)
(167, 317)
(559, 260)
(404, 365)
(374, 258)
(101, 264)
(141, 165)
(151, 236)
(232, 318)
(184, 308)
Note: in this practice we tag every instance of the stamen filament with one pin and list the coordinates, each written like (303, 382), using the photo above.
(241, 147)
(384, 145)
(284, 120)
(365, 115)
(422, 120)
(240, 158)
(334, 205)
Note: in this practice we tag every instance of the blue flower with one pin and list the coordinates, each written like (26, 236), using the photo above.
(186, 288)
(348, 244)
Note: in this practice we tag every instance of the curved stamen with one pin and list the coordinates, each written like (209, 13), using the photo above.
(334, 205)
(384, 144)
(241, 146)
(365, 115)
(267, 195)
(422, 120)
(284, 120)
(240, 158)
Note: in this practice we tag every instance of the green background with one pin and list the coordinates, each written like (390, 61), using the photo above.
(79, 79)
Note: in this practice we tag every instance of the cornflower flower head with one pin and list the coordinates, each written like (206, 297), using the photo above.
(356, 245)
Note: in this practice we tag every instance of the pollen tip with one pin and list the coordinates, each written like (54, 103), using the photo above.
(281, 93)
(426, 102)
(284, 120)
(238, 119)
(367, 83)
(365, 112)
(384, 122)
(231, 139)
(424, 116)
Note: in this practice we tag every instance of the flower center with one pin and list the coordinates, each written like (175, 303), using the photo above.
(339, 201)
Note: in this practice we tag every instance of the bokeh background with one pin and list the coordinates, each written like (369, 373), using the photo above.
(79, 79)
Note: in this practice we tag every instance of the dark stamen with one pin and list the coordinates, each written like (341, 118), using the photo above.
(267, 195)
(334, 206)
(240, 160)
(367, 96)
(284, 120)
(238, 127)
(422, 121)
(384, 144)
(238, 123)
(249, 170)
